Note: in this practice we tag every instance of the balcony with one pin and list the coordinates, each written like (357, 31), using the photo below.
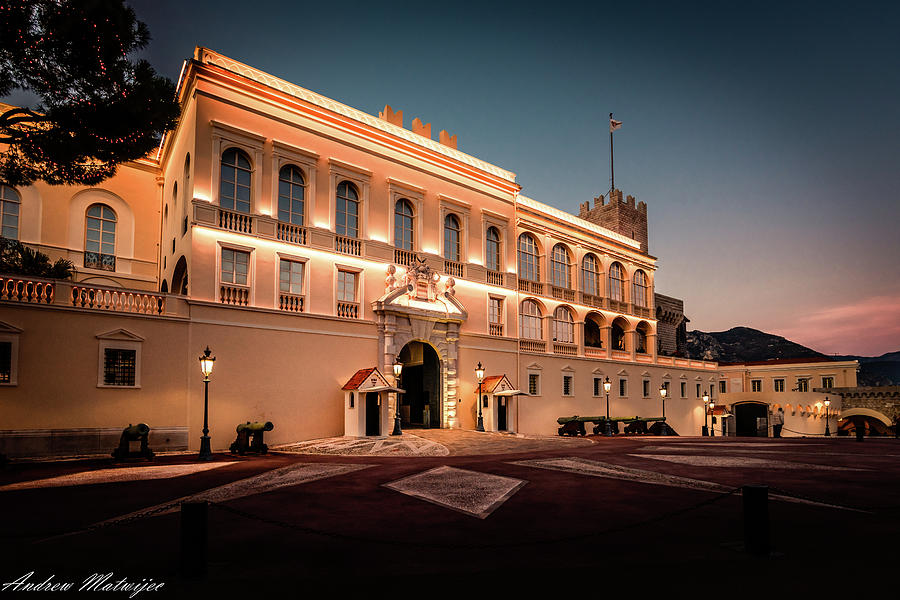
(347, 310)
(565, 349)
(25, 289)
(594, 352)
(454, 269)
(346, 245)
(641, 311)
(617, 306)
(118, 300)
(404, 257)
(496, 329)
(291, 302)
(536, 346)
(591, 300)
(235, 221)
(495, 278)
(101, 262)
(290, 233)
(562, 293)
(234, 295)
(531, 287)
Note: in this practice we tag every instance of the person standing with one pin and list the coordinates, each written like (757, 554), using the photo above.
(777, 422)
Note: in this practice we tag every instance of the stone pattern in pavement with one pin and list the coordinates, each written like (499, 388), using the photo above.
(462, 442)
(405, 445)
(738, 461)
(137, 473)
(470, 492)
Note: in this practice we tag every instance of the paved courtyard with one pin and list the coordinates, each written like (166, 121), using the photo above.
(490, 509)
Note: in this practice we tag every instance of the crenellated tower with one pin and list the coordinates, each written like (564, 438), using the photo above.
(620, 215)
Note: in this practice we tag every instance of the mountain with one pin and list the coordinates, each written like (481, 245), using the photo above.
(743, 344)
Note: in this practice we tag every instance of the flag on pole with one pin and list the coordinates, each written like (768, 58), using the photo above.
(613, 125)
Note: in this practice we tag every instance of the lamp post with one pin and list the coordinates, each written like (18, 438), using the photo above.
(206, 366)
(827, 404)
(663, 390)
(712, 408)
(479, 374)
(705, 432)
(398, 368)
(607, 385)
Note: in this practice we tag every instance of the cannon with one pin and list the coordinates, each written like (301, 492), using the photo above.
(133, 433)
(250, 437)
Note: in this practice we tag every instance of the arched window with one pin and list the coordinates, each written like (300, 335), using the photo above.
(530, 320)
(100, 238)
(9, 212)
(590, 275)
(639, 288)
(492, 249)
(234, 190)
(529, 265)
(640, 338)
(617, 282)
(560, 271)
(347, 210)
(403, 225)
(563, 326)
(451, 238)
(186, 191)
(618, 334)
(291, 192)
(593, 334)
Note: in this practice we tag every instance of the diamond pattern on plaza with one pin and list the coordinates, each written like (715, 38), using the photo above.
(115, 475)
(405, 445)
(739, 461)
(469, 492)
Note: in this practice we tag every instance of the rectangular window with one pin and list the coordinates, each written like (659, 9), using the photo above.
(346, 291)
(567, 385)
(290, 277)
(683, 389)
(119, 366)
(534, 381)
(5, 362)
(756, 385)
(235, 266)
(779, 385)
(698, 390)
(828, 382)
(722, 387)
(646, 388)
(598, 385)
(803, 385)
(623, 387)
(495, 316)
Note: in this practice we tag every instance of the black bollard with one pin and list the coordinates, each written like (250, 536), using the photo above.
(194, 538)
(756, 519)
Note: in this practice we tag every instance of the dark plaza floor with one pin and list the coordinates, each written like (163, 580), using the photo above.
(654, 515)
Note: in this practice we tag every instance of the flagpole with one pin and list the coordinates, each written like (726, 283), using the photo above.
(612, 172)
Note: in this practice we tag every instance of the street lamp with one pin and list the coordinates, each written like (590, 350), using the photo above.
(206, 366)
(607, 385)
(398, 368)
(827, 404)
(479, 374)
(663, 390)
(712, 409)
(705, 431)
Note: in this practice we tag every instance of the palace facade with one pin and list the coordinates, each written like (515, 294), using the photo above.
(311, 247)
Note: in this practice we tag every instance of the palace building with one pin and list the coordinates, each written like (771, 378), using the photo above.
(311, 247)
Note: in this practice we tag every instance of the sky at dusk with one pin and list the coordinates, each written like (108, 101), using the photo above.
(764, 137)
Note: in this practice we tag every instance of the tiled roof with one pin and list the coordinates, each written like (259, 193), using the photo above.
(490, 382)
(358, 378)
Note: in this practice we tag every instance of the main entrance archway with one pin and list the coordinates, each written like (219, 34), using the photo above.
(746, 415)
(421, 379)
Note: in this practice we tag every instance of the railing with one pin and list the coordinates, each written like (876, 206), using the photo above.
(348, 310)
(642, 311)
(566, 349)
(234, 295)
(645, 358)
(117, 300)
(290, 302)
(594, 352)
(591, 300)
(235, 221)
(496, 329)
(531, 287)
(346, 245)
(290, 233)
(621, 355)
(101, 262)
(532, 345)
(25, 290)
(404, 257)
(562, 293)
(456, 269)
(495, 278)
(617, 306)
